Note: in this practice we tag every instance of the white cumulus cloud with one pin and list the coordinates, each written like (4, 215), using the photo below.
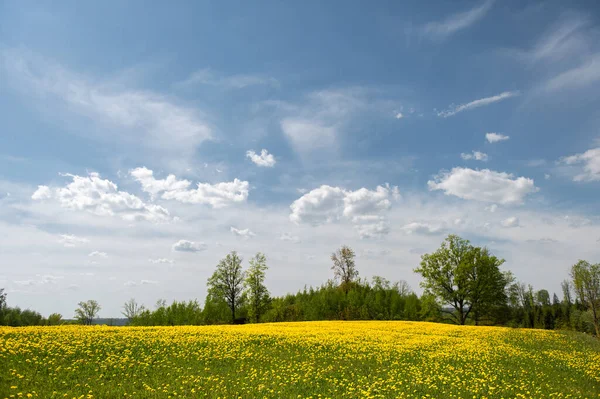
(495, 137)
(244, 233)
(189, 246)
(70, 240)
(216, 195)
(483, 185)
(424, 228)
(476, 155)
(101, 197)
(590, 161)
(512, 221)
(289, 237)
(263, 159)
(363, 208)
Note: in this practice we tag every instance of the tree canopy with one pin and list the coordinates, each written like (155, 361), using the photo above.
(227, 282)
(465, 277)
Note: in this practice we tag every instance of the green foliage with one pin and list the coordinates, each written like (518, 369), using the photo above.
(344, 267)
(465, 277)
(131, 309)
(256, 291)
(55, 319)
(586, 282)
(227, 282)
(15, 317)
(379, 300)
(2, 305)
(87, 312)
(176, 314)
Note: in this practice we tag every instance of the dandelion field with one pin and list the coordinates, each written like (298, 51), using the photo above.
(297, 360)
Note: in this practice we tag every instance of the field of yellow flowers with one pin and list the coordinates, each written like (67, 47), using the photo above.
(297, 360)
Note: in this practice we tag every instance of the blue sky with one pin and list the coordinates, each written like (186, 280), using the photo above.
(131, 141)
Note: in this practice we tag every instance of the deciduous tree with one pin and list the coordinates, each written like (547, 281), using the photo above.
(463, 276)
(586, 281)
(227, 281)
(258, 294)
(87, 312)
(131, 309)
(344, 267)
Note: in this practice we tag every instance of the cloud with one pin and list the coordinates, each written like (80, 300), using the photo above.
(363, 208)
(560, 41)
(291, 238)
(264, 159)
(69, 240)
(42, 193)
(582, 76)
(306, 135)
(216, 195)
(545, 240)
(455, 109)
(372, 229)
(423, 228)
(483, 185)
(495, 137)
(399, 115)
(206, 76)
(40, 280)
(476, 155)
(456, 22)
(244, 233)
(189, 246)
(577, 221)
(97, 254)
(132, 283)
(374, 254)
(142, 118)
(101, 197)
(492, 208)
(512, 221)
(590, 171)
(316, 123)
(162, 260)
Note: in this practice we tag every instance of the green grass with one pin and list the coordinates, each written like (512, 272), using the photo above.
(292, 360)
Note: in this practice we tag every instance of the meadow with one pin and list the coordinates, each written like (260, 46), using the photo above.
(298, 360)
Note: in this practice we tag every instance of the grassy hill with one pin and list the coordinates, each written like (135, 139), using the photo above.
(298, 360)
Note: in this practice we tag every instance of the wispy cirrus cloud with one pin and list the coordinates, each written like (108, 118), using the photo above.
(143, 118)
(455, 109)
(567, 38)
(581, 76)
(440, 30)
(207, 76)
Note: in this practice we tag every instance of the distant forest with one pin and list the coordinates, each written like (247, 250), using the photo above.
(463, 284)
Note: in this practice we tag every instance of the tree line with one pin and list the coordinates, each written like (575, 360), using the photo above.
(463, 284)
